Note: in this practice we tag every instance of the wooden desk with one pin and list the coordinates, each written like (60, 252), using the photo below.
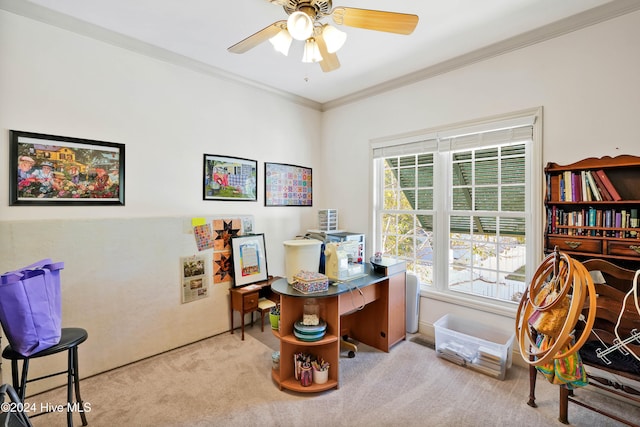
(245, 299)
(381, 323)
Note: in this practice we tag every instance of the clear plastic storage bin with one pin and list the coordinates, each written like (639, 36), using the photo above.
(468, 343)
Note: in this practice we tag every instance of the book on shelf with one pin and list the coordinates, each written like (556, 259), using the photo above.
(601, 188)
(581, 186)
(597, 222)
(592, 185)
(576, 187)
(591, 222)
(568, 187)
(608, 222)
(586, 189)
(549, 194)
(608, 185)
(555, 188)
(617, 223)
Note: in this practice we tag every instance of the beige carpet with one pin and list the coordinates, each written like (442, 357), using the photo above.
(223, 381)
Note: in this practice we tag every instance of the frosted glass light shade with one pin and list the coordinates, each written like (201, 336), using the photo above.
(311, 51)
(334, 38)
(300, 25)
(281, 42)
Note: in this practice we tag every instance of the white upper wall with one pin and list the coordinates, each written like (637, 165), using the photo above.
(586, 81)
(125, 289)
(56, 82)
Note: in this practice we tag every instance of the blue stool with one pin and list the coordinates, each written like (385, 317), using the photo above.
(70, 340)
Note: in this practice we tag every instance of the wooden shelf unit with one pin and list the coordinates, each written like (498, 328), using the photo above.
(328, 348)
(375, 317)
(579, 226)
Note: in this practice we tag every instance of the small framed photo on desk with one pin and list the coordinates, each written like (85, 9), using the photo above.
(249, 259)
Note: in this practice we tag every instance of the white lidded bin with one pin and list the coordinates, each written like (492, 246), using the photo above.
(302, 254)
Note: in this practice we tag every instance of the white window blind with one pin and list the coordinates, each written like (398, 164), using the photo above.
(503, 136)
(405, 148)
(500, 132)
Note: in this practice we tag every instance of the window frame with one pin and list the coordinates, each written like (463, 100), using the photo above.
(434, 139)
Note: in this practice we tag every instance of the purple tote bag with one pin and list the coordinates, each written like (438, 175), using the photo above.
(31, 306)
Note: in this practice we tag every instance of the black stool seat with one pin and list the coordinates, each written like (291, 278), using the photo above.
(71, 337)
(69, 341)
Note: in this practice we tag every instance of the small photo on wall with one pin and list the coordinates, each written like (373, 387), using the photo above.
(195, 283)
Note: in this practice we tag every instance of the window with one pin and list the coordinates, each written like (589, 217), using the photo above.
(462, 205)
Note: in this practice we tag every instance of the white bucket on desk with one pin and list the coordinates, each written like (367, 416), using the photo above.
(303, 254)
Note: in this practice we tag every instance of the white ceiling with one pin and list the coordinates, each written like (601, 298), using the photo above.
(198, 33)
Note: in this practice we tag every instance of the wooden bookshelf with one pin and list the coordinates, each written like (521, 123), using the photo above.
(593, 208)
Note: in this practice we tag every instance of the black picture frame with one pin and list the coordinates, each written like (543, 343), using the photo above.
(49, 170)
(287, 185)
(229, 178)
(249, 259)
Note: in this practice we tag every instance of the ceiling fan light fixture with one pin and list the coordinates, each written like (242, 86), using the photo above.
(333, 37)
(282, 42)
(300, 25)
(311, 51)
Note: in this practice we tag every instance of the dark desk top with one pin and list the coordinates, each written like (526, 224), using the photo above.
(370, 277)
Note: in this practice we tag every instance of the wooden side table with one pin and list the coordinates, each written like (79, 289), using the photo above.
(245, 299)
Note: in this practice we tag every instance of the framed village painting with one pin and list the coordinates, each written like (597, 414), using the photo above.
(50, 170)
(230, 178)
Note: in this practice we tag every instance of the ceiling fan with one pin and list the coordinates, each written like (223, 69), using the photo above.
(322, 41)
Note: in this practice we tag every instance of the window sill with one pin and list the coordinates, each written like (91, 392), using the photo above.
(493, 307)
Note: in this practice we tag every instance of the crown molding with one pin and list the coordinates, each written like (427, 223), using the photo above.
(585, 19)
(66, 22)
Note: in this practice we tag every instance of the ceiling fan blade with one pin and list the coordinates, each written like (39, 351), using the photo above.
(329, 60)
(257, 38)
(378, 20)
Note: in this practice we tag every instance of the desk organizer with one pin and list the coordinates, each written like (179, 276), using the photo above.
(328, 219)
(476, 346)
(309, 282)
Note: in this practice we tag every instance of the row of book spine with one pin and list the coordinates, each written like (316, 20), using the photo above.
(581, 186)
(560, 221)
